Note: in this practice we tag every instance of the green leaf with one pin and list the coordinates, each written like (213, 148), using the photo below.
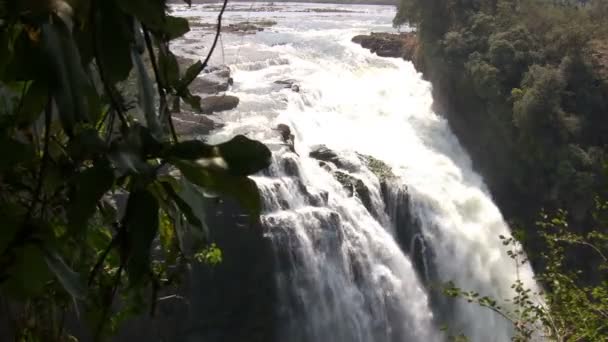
(245, 156)
(243, 189)
(150, 12)
(141, 222)
(175, 27)
(70, 280)
(194, 214)
(89, 186)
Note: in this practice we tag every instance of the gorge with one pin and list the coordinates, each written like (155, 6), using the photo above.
(376, 208)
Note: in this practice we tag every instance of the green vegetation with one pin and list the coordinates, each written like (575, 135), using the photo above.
(569, 310)
(524, 85)
(101, 204)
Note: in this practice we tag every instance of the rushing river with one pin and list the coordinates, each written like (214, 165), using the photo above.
(344, 273)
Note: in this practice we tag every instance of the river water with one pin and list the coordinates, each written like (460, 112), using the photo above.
(347, 273)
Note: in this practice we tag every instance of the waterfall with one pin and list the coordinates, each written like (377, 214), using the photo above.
(353, 266)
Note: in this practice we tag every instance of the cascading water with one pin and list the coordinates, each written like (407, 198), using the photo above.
(350, 271)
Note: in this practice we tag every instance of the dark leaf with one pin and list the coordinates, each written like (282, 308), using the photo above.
(70, 79)
(13, 153)
(194, 101)
(190, 150)
(175, 27)
(220, 182)
(245, 156)
(12, 220)
(28, 275)
(169, 68)
(88, 188)
(243, 189)
(191, 73)
(33, 103)
(86, 144)
(114, 41)
(141, 223)
(150, 12)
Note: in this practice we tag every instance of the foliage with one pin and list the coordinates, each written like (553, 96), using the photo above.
(101, 203)
(524, 86)
(570, 309)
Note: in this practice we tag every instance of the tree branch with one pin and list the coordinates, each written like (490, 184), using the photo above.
(218, 31)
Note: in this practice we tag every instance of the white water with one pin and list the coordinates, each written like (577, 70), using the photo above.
(342, 275)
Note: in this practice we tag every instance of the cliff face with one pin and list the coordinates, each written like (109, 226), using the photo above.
(523, 86)
(525, 93)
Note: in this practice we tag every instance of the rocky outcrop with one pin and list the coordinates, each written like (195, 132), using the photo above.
(245, 27)
(212, 81)
(345, 172)
(325, 154)
(381, 169)
(219, 103)
(289, 83)
(189, 124)
(401, 45)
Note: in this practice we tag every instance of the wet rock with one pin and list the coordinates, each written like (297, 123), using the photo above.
(381, 169)
(189, 124)
(244, 27)
(325, 154)
(355, 186)
(398, 45)
(289, 83)
(212, 81)
(290, 166)
(213, 104)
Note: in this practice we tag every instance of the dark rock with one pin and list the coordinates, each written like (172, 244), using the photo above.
(355, 187)
(402, 45)
(381, 169)
(287, 137)
(245, 27)
(323, 153)
(289, 83)
(290, 166)
(212, 81)
(213, 104)
(189, 124)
